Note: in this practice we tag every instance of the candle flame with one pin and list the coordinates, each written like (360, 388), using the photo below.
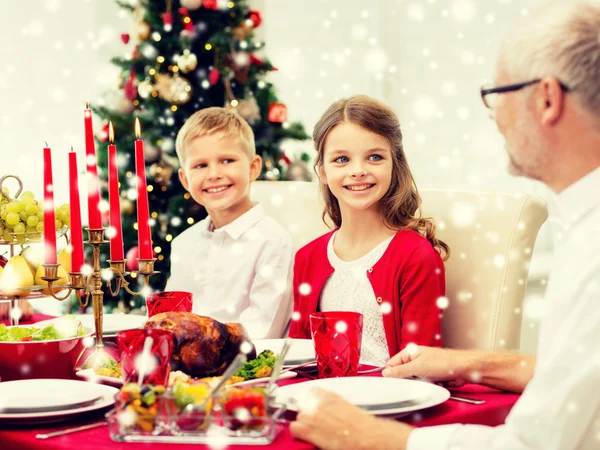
(111, 132)
(138, 130)
(87, 105)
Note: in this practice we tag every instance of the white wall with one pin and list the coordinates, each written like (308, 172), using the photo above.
(426, 58)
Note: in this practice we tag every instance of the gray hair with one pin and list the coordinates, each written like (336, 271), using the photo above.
(560, 39)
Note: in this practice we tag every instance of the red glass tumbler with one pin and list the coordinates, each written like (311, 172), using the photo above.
(155, 364)
(337, 336)
(159, 302)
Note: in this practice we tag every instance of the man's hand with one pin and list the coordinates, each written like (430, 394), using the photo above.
(331, 423)
(26, 310)
(507, 371)
(433, 364)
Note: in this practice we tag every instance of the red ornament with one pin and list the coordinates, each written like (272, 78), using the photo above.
(102, 135)
(130, 89)
(256, 17)
(131, 258)
(213, 76)
(285, 158)
(125, 38)
(256, 61)
(167, 21)
(211, 4)
(277, 113)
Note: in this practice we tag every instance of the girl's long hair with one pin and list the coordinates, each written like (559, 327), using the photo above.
(400, 206)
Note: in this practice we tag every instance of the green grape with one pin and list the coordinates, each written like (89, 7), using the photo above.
(32, 221)
(12, 218)
(66, 207)
(27, 197)
(31, 208)
(31, 230)
(3, 214)
(20, 205)
(19, 228)
(58, 224)
(40, 227)
(40, 214)
(66, 220)
(13, 207)
(23, 216)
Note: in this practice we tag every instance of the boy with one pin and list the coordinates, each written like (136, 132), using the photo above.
(237, 262)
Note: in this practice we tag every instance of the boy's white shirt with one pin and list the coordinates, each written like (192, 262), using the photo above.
(241, 272)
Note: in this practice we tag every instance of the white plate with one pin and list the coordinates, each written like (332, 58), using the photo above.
(300, 352)
(44, 395)
(377, 395)
(43, 388)
(111, 323)
(90, 375)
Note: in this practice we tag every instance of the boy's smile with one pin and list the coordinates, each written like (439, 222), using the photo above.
(217, 173)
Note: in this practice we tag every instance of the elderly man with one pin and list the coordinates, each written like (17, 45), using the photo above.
(546, 103)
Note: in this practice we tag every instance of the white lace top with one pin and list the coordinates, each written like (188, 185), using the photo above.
(349, 289)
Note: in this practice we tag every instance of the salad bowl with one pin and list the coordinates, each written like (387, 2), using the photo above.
(49, 352)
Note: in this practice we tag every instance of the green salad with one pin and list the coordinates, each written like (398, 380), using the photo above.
(249, 370)
(62, 328)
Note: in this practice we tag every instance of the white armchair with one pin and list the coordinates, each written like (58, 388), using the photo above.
(491, 238)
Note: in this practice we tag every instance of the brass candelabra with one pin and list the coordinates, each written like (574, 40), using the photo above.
(91, 284)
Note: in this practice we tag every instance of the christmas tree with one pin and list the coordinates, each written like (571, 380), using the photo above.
(188, 55)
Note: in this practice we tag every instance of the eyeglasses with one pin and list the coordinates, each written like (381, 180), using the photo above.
(489, 94)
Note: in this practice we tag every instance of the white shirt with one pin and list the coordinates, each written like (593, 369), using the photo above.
(560, 408)
(349, 289)
(241, 272)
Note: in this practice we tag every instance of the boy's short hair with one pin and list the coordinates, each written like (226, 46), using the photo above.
(214, 120)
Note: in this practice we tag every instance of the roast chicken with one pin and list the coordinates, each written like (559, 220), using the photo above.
(204, 347)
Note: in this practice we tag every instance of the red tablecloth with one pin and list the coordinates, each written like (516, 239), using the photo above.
(493, 412)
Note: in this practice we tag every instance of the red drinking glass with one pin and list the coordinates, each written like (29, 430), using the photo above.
(159, 302)
(337, 336)
(156, 364)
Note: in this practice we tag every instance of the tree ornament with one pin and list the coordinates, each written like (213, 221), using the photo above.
(168, 21)
(242, 31)
(123, 105)
(173, 89)
(125, 38)
(131, 258)
(145, 89)
(102, 134)
(141, 31)
(129, 88)
(277, 113)
(126, 206)
(161, 172)
(151, 152)
(255, 60)
(213, 76)
(256, 17)
(298, 171)
(249, 110)
(187, 62)
(191, 4)
(211, 4)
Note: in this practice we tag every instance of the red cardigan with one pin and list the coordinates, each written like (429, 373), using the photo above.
(409, 276)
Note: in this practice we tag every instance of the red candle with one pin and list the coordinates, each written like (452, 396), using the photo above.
(49, 220)
(116, 241)
(143, 216)
(94, 216)
(76, 233)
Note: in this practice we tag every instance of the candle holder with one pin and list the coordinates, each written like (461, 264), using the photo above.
(91, 284)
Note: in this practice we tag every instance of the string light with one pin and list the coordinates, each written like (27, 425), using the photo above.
(150, 188)
(154, 214)
(128, 174)
(234, 103)
(160, 59)
(169, 237)
(190, 220)
(157, 249)
(230, 4)
(135, 226)
(173, 107)
(187, 196)
(208, 46)
(161, 257)
(152, 71)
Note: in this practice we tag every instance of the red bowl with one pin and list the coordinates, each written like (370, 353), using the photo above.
(41, 359)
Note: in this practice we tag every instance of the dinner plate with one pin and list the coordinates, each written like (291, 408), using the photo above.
(300, 352)
(377, 395)
(47, 393)
(111, 323)
(90, 375)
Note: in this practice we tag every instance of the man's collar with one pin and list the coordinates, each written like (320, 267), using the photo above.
(577, 199)
(240, 225)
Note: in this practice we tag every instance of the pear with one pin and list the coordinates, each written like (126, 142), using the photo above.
(61, 273)
(64, 258)
(34, 257)
(16, 275)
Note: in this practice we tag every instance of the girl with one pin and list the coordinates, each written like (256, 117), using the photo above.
(382, 259)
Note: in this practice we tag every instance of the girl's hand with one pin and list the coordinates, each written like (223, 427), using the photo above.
(26, 310)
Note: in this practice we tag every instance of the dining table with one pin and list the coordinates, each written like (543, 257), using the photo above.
(492, 412)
